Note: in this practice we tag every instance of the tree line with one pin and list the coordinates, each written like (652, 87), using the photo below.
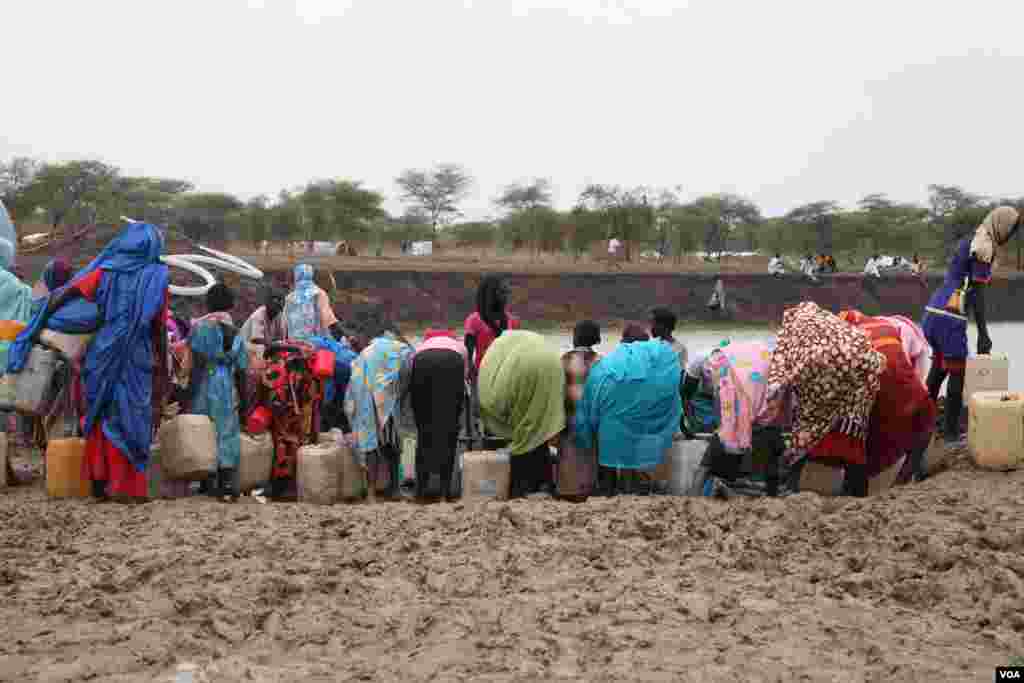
(644, 218)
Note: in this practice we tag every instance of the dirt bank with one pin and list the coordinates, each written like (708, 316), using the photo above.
(924, 583)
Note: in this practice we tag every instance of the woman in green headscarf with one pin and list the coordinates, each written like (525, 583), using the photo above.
(522, 399)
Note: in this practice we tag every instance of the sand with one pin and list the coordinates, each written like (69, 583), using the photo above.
(923, 583)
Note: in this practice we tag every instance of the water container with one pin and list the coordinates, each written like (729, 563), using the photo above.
(822, 478)
(64, 459)
(316, 477)
(886, 479)
(10, 329)
(73, 346)
(682, 460)
(157, 485)
(486, 475)
(322, 364)
(986, 373)
(32, 384)
(995, 433)
(256, 461)
(351, 473)
(258, 421)
(188, 445)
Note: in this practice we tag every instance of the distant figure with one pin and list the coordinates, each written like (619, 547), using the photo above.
(776, 267)
(613, 252)
(830, 263)
(871, 267)
(717, 300)
(808, 268)
(916, 265)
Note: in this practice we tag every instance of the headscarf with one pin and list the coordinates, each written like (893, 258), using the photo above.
(437, 332)
(491, 303)
(522, 389)
(740, 372)
(831, 369)
(120, 361)
(993, 232)
(56, 274)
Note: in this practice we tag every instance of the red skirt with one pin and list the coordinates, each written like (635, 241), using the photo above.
(104, 462)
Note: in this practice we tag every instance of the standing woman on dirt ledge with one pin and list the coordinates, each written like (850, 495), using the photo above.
(945, 316)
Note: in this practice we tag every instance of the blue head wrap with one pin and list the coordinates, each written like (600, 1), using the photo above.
(119, 363)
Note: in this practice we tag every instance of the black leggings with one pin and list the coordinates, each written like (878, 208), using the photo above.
(954, 398)
(530, 471)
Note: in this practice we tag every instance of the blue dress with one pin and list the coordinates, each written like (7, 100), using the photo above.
(215, 393)
(946, 331)
(631, 405)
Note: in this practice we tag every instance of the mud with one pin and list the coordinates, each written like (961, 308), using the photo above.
(923, 583)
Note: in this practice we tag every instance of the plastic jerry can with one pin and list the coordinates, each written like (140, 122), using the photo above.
(32, 384)
(316, 473)
(322, 364)
(258, 421)
(10, 329)
(995, 432)
(884, 480)
(486, 475)
(823, 479)
(986, 373)
(683, 459)
(188, 447)
(64, 459)
(256, 460)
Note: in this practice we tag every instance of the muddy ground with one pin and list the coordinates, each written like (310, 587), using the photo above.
(923, 583)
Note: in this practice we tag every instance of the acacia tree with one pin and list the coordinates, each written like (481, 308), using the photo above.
(437, 193)
(626, 210)
(80, 191)
(525, 201)
(17, 177)
(724, 214)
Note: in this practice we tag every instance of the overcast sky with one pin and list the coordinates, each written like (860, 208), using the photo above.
(783, 101)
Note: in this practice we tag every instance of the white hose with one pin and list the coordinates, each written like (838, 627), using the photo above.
(177, 261)
(190, 262)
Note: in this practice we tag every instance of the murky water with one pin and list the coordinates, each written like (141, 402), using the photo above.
(1007, 338)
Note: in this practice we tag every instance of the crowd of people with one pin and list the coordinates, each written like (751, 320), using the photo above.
(843, 388)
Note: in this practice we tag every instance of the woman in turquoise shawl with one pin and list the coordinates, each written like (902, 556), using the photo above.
(380, 376)
(220, 359)
(522, 399)
(15, 295)
(631, 406)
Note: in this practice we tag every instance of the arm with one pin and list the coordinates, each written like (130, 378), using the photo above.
(976, 301)
(586, 418)
(470, 348)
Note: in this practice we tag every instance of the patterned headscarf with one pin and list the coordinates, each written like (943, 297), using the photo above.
(831, 368)
(993, 232)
